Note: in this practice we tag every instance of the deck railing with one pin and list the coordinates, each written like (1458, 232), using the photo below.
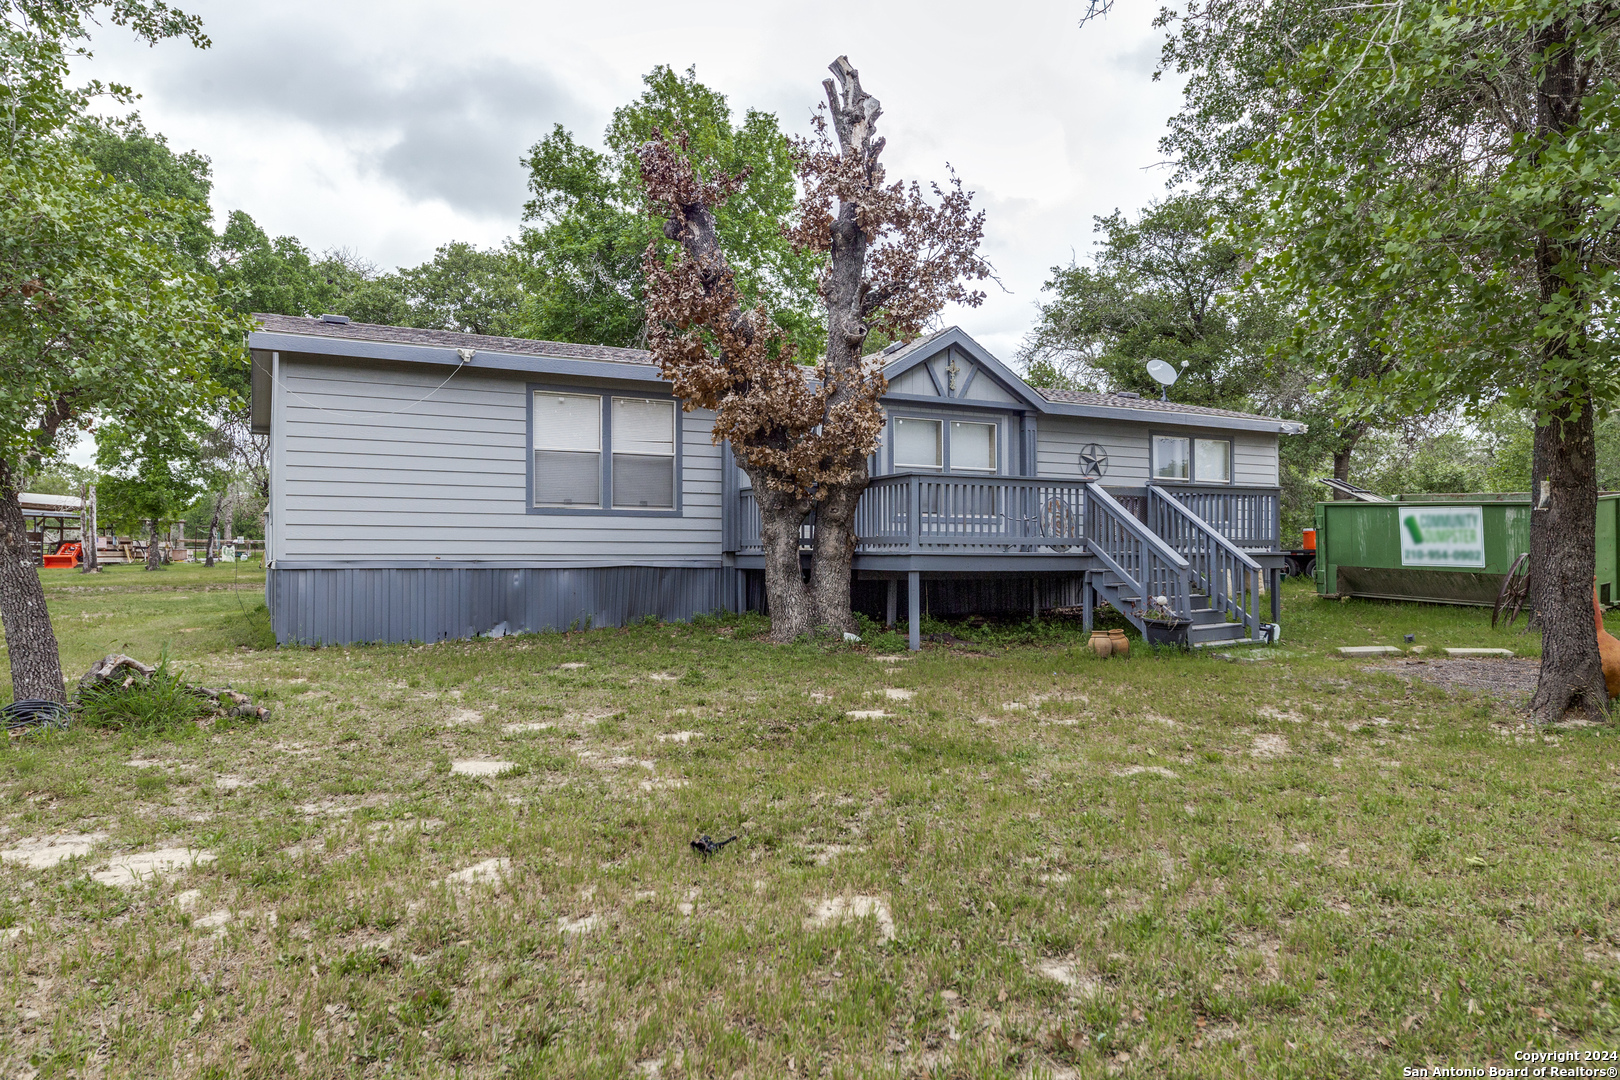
(1220, 569)
(1147, 566)
(928, 512)
(1247, 516)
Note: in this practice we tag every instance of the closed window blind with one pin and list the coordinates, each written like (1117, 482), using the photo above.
(916, 443)
(973, 446)
(1212, 461)
(643, 454)
(567, 449)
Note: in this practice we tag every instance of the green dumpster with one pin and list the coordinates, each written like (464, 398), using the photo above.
(1442, 549)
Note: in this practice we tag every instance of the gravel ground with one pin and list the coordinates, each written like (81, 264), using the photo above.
(1512, 680)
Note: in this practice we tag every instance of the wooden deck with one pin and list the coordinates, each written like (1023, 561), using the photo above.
(925, 513)
(1191, 554)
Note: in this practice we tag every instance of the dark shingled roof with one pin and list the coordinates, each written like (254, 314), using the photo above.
(1146, 404)
(446, 339)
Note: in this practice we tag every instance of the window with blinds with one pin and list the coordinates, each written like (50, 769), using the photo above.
(567, 449)
(973, 446)
(643, 436)
(917, 443)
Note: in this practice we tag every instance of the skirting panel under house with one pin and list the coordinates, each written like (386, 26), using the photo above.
(383, 604)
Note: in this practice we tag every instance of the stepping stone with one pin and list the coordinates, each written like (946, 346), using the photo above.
(520, 729)
(680, 736)
(1479, 652)
(1368, 650)
(894, 693)
(867, 714)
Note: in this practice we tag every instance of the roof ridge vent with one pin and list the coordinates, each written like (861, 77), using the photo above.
(894, 347)
(336, 320)
(1126, 393)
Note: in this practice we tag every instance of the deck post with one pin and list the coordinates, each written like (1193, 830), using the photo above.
(1276, 594)
(914, 609)
(890, 609)
(1088, 602)
(1035, 599)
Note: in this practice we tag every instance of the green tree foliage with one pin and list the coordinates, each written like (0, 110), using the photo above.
(102, 312)
(126, 151)
(466, 289)
(1157, 288)
(587, 226)
(1442, 182)
(153, 470)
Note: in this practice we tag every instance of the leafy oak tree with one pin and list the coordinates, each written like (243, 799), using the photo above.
(1442, 181)
(101, 312)
(889, 260)
(1160, 287)
(586, 225)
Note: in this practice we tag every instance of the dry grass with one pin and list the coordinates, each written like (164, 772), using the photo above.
(1036, 864)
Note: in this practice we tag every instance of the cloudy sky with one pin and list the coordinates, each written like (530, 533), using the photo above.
(391, 128)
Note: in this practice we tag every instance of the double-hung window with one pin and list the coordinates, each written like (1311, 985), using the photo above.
(595, 451)
(567, 449)
(973, 447)
(643, 432)
(918, 444)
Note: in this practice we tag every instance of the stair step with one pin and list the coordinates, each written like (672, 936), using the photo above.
(1199, 633)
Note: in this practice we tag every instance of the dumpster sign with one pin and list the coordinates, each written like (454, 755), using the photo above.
(1442, 536)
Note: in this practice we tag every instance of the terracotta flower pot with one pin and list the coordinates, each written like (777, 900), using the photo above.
(1101, 644)
(1122, 644)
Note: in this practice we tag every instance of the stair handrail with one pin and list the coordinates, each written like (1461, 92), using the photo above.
(1160, 500)
(1108, 509)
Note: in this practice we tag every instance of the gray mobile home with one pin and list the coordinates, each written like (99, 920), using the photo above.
(428, 485)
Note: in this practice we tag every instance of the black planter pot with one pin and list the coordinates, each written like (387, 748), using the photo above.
(1173, 634)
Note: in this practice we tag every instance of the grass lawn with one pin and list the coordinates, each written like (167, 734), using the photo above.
(1275, 863)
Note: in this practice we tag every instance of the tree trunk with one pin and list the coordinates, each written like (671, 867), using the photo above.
(1562, 562)
(36, 666)
(832, 555)
(88, 529)
(1348, 438)
(154, 561)
(213, 527)
(1564, 474)
(780, 517)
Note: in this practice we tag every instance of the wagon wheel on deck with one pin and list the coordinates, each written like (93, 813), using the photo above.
(1514, 594)
(1057, 520)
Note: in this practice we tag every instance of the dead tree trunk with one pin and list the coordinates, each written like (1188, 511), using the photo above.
(850, 303)
(36, 669)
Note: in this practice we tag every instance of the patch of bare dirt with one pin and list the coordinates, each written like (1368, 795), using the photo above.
(1510, 679)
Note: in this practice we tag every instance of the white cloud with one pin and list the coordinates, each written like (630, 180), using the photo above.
(391, 128)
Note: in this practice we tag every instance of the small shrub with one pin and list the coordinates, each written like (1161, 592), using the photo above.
(155, 703)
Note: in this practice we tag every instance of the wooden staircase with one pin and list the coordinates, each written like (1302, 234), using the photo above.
(1174, 567)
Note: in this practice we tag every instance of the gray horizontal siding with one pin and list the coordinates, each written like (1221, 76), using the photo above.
(382, 604)
(1254, 459)
(366, 470)
(1058, 440)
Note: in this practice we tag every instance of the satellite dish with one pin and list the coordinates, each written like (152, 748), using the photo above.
(1164, 374)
